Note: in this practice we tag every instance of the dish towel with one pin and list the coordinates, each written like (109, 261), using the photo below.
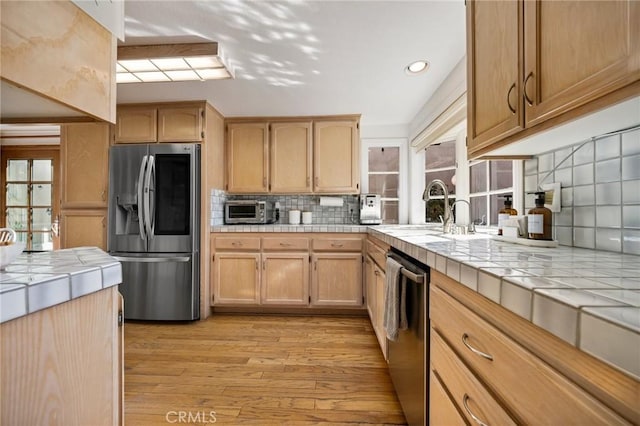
(395, 317)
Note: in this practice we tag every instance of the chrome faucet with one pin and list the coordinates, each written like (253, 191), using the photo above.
(426, 196)
(471, 228)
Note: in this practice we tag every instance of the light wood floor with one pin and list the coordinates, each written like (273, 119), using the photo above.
(263, 370)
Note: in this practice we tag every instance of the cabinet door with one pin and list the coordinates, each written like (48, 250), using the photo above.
(336, 279)
(336, 166)
(370, 290)
(180, 124)
(442, 411)
(290, 167)
(136, 125)
(569, 65)
(81, 228)
(494, 50)
(285, 279)
(85, 165)
(236, 279)
(247, 157)
(380, 289)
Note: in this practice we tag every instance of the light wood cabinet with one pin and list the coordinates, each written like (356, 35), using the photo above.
(247, 157)
(83, 228)
(376, 284)
(291, 149)
(506, 366)
(336, 160)
(149, 123)
(236, 278)
(336, 279)
(285, 279)
(61, 365)
(85, 165)
(528, 70)
(442, 411)
(294, 155)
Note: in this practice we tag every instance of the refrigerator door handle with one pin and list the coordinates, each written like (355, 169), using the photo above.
(180, 259)
(147, 198)
(141, 213)
(151, 181)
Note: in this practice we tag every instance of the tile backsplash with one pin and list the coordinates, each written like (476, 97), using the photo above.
(600, 182)
(347, 214)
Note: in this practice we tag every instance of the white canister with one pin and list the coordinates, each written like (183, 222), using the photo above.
(294, 217)
(306, 218)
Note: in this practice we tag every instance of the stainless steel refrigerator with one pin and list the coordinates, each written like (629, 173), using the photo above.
(154, 228)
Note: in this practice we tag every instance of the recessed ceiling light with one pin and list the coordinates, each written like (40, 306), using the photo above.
(417, 67)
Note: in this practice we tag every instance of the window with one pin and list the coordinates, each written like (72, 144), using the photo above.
(29, 199)
(440, 163)
(489, 180)
(383, 178)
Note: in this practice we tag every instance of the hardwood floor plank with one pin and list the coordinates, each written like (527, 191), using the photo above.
(258, 370)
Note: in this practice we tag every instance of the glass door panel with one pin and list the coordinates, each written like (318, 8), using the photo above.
(18, 218)
(172, 194)
(17, 194)
(17, 170)
(41, 194)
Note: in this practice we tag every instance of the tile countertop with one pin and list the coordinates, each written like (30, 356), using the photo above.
(291, 228)
(38, 281)
(589, 298)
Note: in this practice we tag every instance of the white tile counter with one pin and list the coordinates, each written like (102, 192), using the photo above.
(41, 280)
(589, 298)
(291, 228)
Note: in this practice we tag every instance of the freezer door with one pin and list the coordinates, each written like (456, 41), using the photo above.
(126, 174)
(174, 200)
(162, 287)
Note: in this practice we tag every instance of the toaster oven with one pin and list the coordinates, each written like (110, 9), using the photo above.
(249, 212)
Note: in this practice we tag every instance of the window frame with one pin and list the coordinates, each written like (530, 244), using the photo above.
(32, 152)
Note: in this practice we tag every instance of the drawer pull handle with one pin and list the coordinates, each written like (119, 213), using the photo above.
(336, 245)
(236, 244)
(512, 109)
(524, 89)
(285, 244)
(465, 336)
(465, 401)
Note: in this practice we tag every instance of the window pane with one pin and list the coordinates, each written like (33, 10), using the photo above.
(22, 237)
(41, 241)
(435, 209)
(42, 170)
(384, 159)
(17, 219)
(501, 174)
(479, 210)
(445, 176)
(389, 211)
(41, 194)
(17, 194)
(41, 219)
(495, 204)
(478, 177)
(17, 170)
(441, 155)
(385, 185)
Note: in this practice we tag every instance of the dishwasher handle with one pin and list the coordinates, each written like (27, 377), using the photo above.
(413, 277)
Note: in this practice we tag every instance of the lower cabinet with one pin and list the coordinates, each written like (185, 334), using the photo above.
(375, 288)
(336, 279)
(236, 278)
(491, 378)
(285, 279)
(442, 410)
(79, 228)
(285, 270)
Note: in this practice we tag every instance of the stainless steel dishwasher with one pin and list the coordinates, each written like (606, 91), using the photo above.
(409, 354)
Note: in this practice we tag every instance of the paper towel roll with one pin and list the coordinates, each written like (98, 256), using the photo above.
(331, 201)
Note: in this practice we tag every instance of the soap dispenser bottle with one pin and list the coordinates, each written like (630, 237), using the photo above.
(505, 212)
(539, 220)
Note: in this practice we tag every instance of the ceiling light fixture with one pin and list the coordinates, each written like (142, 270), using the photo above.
(171, 62)
(417, 67)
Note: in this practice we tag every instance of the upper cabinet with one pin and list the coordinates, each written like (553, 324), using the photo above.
(528, 70)
(58, 53)
(336, 164)
(247, 157)
(295, 156)
(150, 124)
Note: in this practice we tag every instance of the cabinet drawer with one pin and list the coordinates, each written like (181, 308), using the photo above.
(337, 244)
(285, 243)
(468, 393)
(533, 391)
(377, 253)
(442, 411)
(237, 243)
